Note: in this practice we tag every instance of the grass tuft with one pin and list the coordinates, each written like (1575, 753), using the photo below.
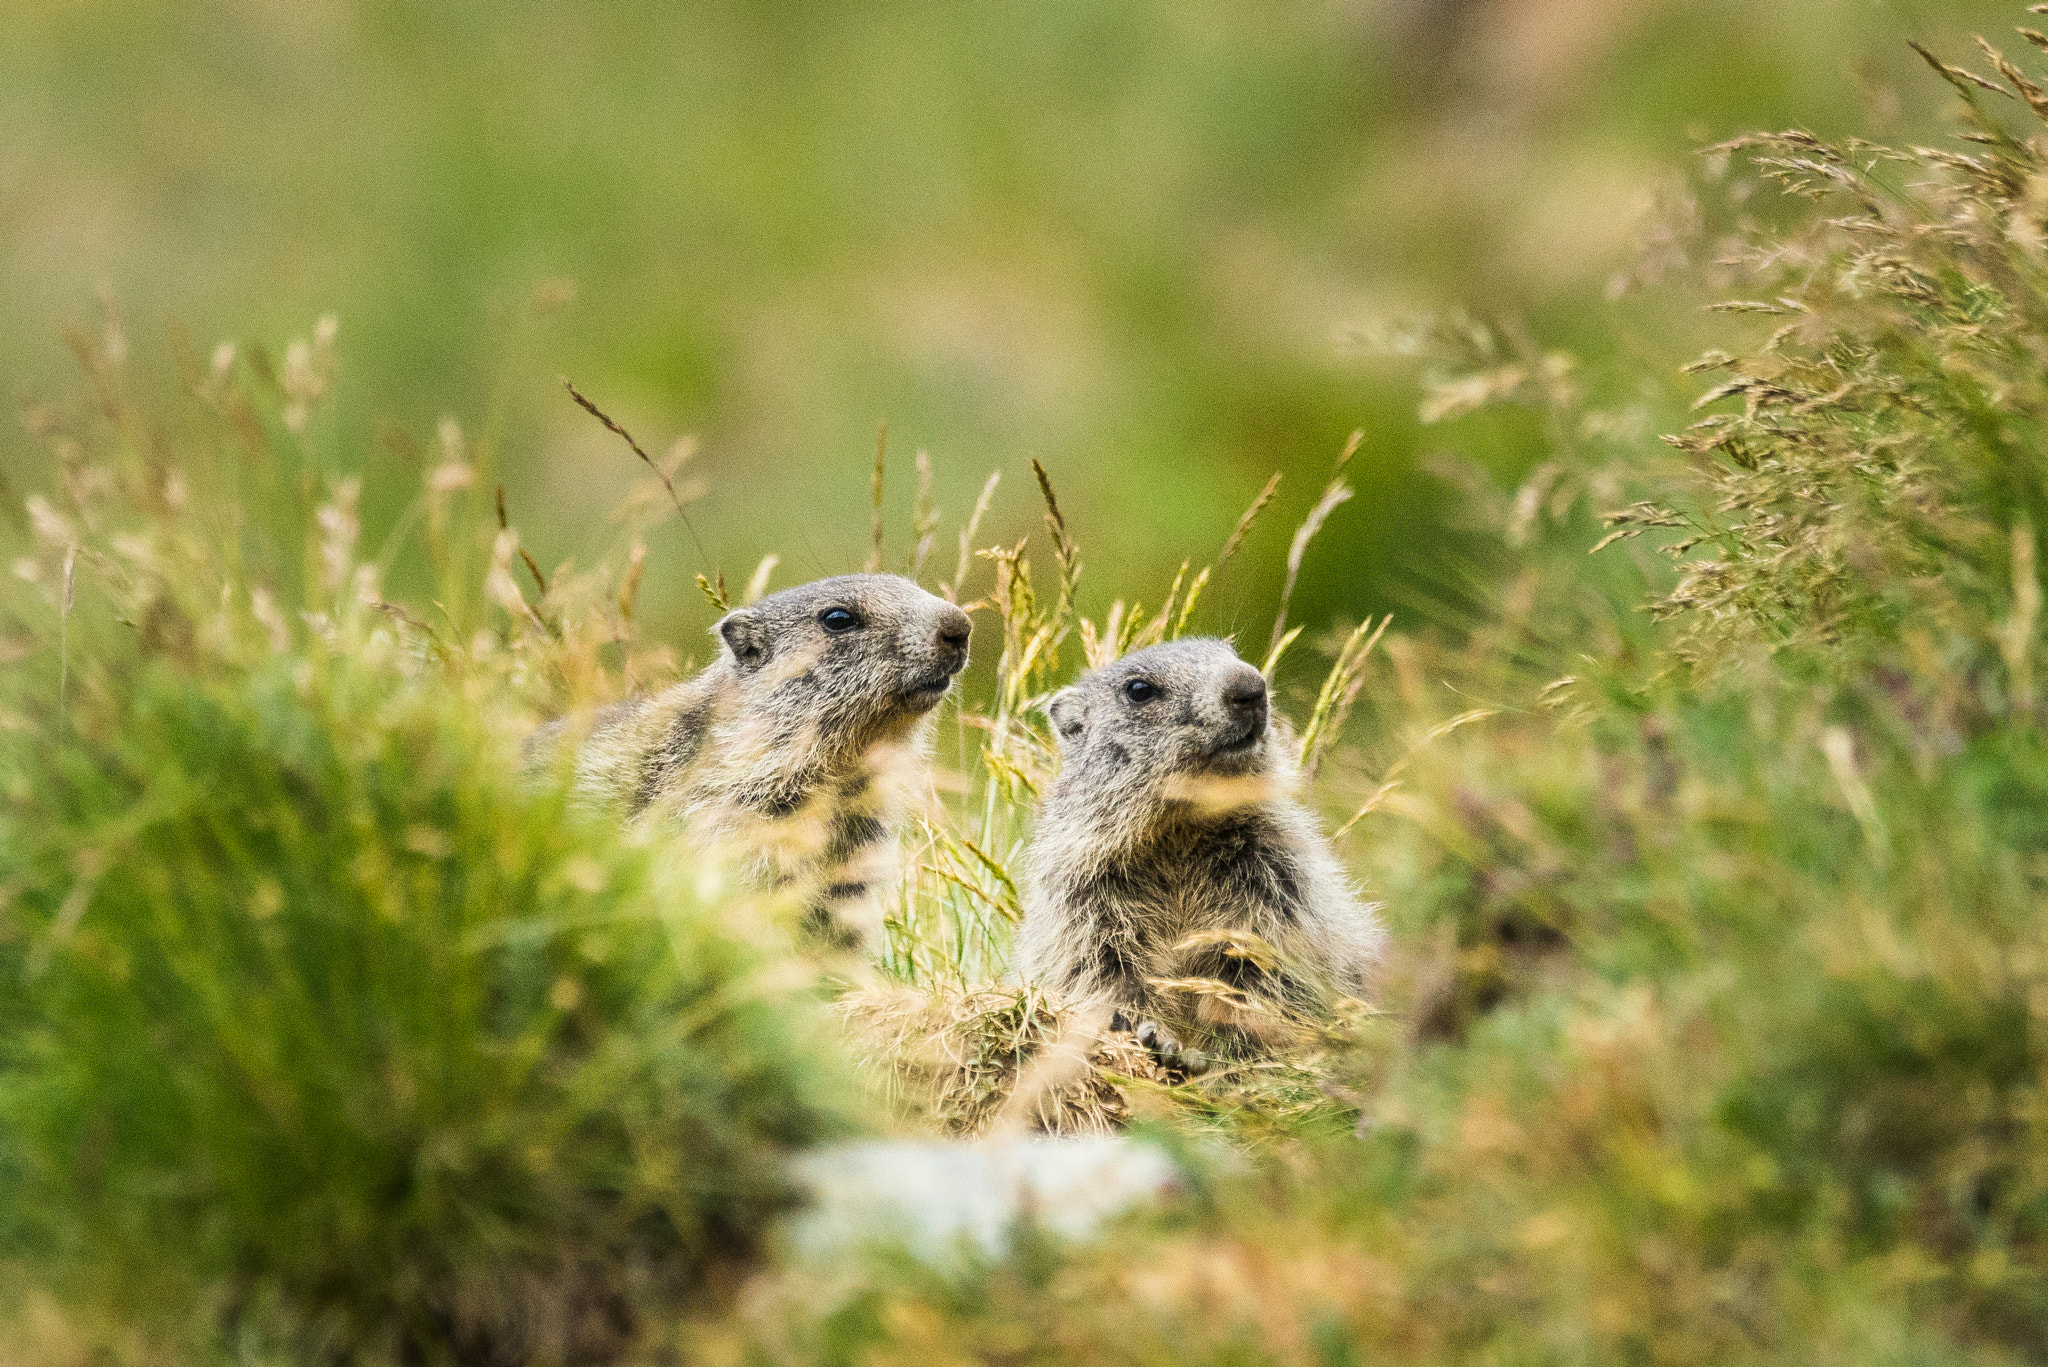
(327, 1036)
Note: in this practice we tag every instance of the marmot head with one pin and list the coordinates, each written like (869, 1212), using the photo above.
(859, 656)
(1188, 713)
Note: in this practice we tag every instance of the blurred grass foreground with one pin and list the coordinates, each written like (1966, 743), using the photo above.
(1717, 1024)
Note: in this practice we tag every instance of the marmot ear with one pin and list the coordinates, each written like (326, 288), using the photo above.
(1068, 714)
(746, 636)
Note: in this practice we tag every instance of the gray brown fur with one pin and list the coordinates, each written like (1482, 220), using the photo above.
(1172, 819)
(793, 750)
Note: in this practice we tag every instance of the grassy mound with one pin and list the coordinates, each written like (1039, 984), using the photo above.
(326, 1036)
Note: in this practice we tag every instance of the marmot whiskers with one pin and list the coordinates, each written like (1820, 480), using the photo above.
(1169, 837)
(793, 750)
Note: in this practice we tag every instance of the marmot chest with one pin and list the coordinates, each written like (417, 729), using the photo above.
(1198, 876)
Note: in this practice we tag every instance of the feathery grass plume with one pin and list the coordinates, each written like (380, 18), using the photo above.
(1335, 494)
(665, 475)
(65, 602)
(757, 586)
(1884, 448)
(1245, 520)
(924, 523)
(1339, 693)
(540, 581)
(1064, 551)
(1174, 626)
(973, 525)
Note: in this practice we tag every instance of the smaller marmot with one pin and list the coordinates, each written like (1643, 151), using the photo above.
(796, 748)
(1170, 836)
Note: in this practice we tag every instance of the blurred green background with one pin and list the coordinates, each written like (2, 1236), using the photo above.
(1132, 240)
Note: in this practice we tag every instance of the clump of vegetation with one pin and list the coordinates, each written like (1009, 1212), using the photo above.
(1883, 477)
(326, 1035)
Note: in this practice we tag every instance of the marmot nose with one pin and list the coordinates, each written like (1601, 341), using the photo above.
(1245, 694)
(954, 629)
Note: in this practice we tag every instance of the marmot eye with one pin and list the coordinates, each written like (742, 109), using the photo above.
(837, 620)
(1141, 690)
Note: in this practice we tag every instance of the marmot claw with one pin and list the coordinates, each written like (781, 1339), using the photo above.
(1169, 1051)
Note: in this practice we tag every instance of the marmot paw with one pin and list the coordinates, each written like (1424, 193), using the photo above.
(1168, 1050)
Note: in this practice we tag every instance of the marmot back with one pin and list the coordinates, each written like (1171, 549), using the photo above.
(1170, 834)
(794, 749)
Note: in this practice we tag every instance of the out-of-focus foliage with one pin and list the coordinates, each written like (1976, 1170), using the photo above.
(1133, 241)
(325, 1034)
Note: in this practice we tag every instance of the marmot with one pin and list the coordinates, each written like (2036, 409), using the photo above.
(793, 749)
(1171, 835)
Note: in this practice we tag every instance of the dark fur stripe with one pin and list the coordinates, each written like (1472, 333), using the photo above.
(678, 747)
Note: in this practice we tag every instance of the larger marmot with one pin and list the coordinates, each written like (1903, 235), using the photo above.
(1170, 845)
(794, 750)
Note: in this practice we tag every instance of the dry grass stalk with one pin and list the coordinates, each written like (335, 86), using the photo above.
(1247, 518)
(874, 562)
(1064, 550)
(951, 591)
(925, 516)
(667, 483)
(1335, 494)
(969, 1060)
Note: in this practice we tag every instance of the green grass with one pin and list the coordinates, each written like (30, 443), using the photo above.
(328, 1035)
(1716, 864)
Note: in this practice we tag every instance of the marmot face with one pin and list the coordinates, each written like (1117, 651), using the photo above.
(1186, 709)
(863, 656)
